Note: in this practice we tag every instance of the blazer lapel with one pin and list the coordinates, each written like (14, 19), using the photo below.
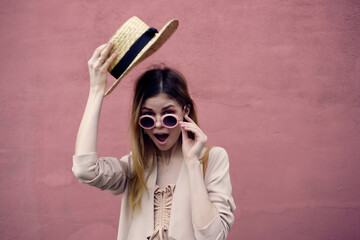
(181, 208)
(143, 222)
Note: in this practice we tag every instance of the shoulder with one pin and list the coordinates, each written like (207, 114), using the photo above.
(217, 176)
(218, 159)
(217, 151)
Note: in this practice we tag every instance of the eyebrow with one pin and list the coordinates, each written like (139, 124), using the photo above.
(164, 108)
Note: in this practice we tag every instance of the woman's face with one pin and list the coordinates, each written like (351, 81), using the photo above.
(157, 106)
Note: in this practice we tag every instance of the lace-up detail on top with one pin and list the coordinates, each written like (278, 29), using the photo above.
(162, 208)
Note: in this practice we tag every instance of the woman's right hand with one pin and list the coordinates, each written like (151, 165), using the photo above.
(98, 66)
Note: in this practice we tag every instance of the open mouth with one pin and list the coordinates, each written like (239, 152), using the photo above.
(161, 137)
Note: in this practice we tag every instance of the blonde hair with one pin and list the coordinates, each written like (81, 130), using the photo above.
(151, 83)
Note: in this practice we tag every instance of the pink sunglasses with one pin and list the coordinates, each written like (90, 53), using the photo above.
(168, 121)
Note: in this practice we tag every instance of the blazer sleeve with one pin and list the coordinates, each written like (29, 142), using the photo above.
(105, 173)
(217, 182)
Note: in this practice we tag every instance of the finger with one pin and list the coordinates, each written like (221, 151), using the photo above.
(98, 51)
(187, 124)
(110, 60)
(188, 118)
(185, 137)
(104, 54)
(185, 132)
(198, 134)
(102, 59)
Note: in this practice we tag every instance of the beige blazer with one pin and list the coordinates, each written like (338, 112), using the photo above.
(111, 174)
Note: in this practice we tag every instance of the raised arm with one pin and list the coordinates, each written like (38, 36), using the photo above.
(86, 141)
(107, 173)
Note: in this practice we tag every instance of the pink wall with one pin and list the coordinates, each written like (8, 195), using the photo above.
(276, 83)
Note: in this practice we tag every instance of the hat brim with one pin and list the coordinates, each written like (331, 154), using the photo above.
(153, 45)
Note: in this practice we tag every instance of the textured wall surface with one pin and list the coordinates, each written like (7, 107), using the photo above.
(276, 83)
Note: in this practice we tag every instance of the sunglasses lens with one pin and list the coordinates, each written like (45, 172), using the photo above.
(147, 122)
(170, 121)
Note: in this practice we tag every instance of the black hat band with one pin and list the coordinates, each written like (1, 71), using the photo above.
(131, 54)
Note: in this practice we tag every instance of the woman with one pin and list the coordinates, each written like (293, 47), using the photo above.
(167, 194)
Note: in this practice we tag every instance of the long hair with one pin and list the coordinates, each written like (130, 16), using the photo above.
(153, 82)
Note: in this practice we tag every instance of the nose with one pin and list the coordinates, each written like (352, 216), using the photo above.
(158, 122)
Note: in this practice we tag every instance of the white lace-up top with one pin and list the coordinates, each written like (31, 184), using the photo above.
(162, 208)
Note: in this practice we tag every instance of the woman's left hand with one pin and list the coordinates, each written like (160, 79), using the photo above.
(192, 147)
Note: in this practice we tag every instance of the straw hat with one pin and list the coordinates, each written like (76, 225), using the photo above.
(134, 41)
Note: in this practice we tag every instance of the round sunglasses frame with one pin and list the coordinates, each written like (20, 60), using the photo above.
(161, 120)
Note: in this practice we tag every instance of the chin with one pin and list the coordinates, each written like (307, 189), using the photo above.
(163, 148)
